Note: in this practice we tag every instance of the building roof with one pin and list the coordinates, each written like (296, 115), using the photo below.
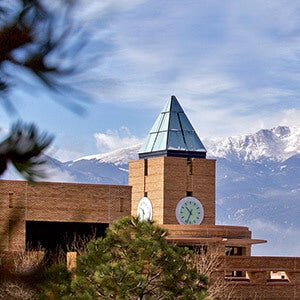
(172, 135)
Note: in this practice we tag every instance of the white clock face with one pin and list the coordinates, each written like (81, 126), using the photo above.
(144, 210)
(189, 210)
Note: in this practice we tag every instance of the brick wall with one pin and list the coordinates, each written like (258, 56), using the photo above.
(57, 202)
(168, 180)
(12, 214)
(258, 283)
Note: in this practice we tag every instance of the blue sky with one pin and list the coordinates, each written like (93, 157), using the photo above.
(233, 65)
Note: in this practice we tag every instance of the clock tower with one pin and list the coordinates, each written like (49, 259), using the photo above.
(173, 181)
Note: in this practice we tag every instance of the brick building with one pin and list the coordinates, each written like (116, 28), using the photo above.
(172, 183)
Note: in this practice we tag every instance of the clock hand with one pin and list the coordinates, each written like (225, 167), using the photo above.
(191, 212)
(188, 218)
(188, 210)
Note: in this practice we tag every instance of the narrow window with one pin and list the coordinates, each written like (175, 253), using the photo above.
(145, 167)
(145, 194)
(189, 167)
(189, 194)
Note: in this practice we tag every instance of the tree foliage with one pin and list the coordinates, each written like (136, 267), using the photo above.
(38, 38)
(23, 148)
(134, 261)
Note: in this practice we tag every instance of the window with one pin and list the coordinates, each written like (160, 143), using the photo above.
(278, 276)
(189, 194)
(235, 251)
(145, 167)
(189, 167)
(234, 274)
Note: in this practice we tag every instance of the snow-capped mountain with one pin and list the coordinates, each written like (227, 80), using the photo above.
(119, 157)
(109, 168)
(278, 143)
(258, 182)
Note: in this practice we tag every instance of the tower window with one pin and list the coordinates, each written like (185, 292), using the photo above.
(145, 167)
(189, 194)
(189, 167)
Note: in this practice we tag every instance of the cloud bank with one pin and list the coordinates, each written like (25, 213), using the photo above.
(115, 139)
(228, 62)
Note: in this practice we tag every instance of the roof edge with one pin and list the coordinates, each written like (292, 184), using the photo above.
(174, 153)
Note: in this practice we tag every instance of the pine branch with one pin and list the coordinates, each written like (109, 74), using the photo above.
(23, 148)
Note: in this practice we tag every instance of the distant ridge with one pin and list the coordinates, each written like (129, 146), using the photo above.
(278, 143)
(117, 157)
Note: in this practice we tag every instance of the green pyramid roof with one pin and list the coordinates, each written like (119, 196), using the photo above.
(172, 135)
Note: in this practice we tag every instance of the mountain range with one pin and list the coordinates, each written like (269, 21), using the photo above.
(258, 182)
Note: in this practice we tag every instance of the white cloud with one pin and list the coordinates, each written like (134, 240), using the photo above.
(232, 120)
(232, 66)
(205, 85)
(238, 58)
(115, 139)
(105, 7)
(290, 117)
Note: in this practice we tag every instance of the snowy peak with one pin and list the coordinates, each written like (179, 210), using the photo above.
(118, 157)
(278, 143)
(281, 131)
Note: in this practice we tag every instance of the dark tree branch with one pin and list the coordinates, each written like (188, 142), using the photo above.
(23, 148)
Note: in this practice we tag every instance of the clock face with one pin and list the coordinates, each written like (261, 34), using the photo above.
(144, 210)
(189, 210)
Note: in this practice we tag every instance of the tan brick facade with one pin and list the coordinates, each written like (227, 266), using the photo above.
(166, 180)
(57, 202)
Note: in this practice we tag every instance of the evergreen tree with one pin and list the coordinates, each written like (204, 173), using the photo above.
(134, 261)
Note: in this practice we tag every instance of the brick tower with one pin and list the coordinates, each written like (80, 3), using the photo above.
(173, 180)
